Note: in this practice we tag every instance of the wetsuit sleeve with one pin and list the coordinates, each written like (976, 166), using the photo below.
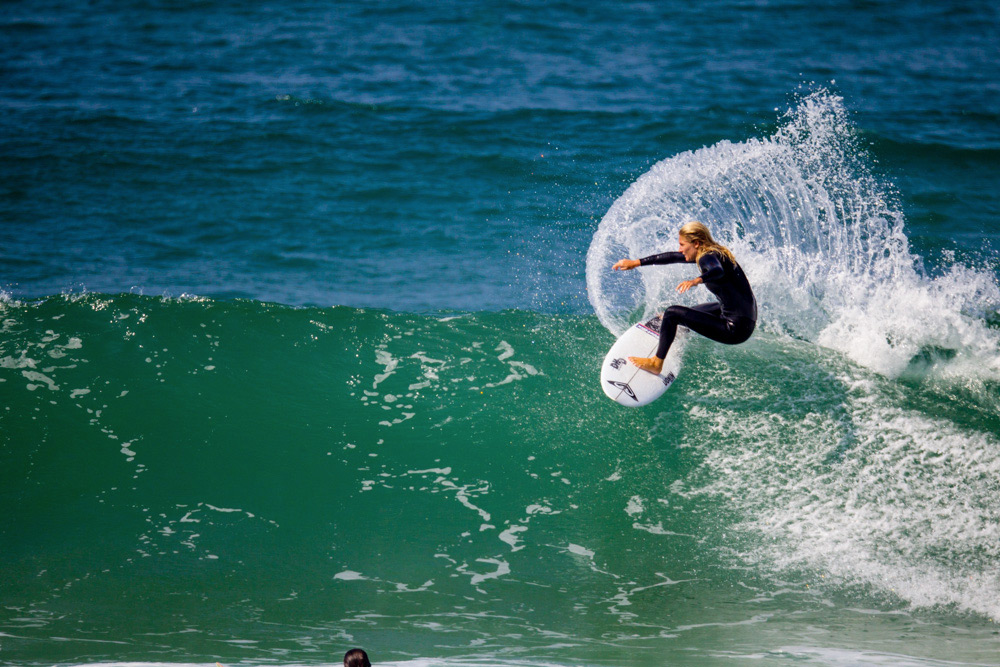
(711, 267)
(662, 258)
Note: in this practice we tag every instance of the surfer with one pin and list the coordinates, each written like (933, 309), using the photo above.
(731, 320)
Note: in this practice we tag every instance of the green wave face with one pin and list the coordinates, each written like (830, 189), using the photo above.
(245, 481)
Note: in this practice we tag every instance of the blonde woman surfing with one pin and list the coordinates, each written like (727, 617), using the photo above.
(730, 320)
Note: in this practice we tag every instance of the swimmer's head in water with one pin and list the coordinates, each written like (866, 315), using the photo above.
(356, 657)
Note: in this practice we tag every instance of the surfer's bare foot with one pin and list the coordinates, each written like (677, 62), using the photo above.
(652, 364)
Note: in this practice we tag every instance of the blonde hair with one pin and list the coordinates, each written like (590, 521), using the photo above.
(697, 233)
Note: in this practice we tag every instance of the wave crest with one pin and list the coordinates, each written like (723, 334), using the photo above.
(822, 241)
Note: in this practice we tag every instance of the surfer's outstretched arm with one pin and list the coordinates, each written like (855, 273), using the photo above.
(671, 257)
(625, 265)
(662, 258)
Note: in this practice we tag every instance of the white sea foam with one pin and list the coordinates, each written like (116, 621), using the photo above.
(875, 491)
(6, 300)
(882, 496)
(821, 240)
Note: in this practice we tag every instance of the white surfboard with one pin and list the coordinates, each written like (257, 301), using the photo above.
(623, 381)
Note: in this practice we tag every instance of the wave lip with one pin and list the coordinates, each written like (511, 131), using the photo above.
(822, 240)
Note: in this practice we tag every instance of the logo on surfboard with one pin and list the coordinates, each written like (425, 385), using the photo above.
(624, 387)
(617, 363)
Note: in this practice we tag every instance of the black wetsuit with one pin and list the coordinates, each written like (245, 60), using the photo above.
(731, 320)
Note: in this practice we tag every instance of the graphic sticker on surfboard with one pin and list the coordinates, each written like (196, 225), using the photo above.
(623, 381)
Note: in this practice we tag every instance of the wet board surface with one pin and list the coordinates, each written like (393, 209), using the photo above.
(623, 381)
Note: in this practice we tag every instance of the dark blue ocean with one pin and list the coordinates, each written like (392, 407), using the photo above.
(302, 307)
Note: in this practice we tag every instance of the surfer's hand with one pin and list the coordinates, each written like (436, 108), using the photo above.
(625, 264)
(686, 285)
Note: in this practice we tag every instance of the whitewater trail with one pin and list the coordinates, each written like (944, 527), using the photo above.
(821, 239)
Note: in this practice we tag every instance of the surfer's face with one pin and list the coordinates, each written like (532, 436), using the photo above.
(688, 249)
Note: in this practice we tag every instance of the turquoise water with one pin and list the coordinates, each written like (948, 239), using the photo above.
(302, 308)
